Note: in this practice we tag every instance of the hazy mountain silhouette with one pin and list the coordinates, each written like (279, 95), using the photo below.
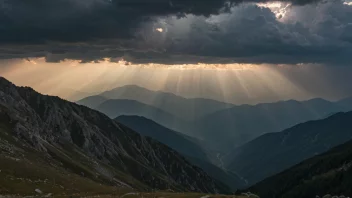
(346, 102)
(274, 152)
(328, 173)
(187, 146)
(187, 109)
(229, 128)
(221, 126)
(117, 107)
(92, 101)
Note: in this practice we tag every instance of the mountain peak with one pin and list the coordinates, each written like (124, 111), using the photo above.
(317, 100)
(130, 87)
(4, 81)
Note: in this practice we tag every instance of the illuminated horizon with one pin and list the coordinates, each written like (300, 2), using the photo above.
(232, 83)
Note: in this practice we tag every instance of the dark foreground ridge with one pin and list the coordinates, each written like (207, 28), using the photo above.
(67, 146)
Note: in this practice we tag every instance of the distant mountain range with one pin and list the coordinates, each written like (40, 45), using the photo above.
(155, 105)
(187, 146)
(117, 107)
(240, 124)
(272, 153)
(221, 126)
(62, 145)
(187, 109)
(322, 175)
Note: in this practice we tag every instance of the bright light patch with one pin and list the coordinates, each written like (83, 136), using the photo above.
(278, 8)
(159, 29)
(348, 3)
(31, 61)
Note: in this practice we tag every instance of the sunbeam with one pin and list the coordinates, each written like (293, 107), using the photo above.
(233, 83)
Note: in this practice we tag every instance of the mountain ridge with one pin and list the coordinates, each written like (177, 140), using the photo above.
(188, 148)
(201, 117)
(329, 173)
(237, 122)
(272, 153)
(52, 126)
(164, 100)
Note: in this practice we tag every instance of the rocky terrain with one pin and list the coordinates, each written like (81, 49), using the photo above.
(185, 145)
(47, 135)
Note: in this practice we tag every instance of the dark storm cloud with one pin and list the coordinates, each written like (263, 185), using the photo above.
(90, 30)
(28, 21)
(309, 34)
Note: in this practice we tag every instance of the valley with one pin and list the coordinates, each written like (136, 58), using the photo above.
(50, 146)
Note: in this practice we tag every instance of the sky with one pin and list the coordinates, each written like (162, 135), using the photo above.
(238, 51)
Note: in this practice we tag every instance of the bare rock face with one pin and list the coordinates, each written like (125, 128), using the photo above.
(45, 123)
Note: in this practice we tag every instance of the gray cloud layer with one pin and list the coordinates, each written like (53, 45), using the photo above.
(90, 30)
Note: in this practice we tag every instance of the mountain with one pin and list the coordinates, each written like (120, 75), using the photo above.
(274, 152)
(117, 107)
(229, 178)
(185, 108)
(42, 133)
(346, 102)
(175, 140)
(240, 124)
(221, 126)
(328, 173)
(69, 94)
(187, 146)
(92, 101)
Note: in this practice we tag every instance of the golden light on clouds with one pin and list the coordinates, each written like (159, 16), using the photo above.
(159, 29)
(204, 66)
(31, 61)
(234, 83)
(123, 63)
(278, 8)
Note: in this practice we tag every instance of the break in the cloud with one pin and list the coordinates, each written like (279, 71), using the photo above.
(177, 31)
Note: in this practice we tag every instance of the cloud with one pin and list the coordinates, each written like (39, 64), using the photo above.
(79, 20)
(302, 31)
(312, 33)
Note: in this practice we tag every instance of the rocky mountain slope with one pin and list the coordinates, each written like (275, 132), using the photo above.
(183, 144)
(323, 175)
(274, 152)
(187, 146)
(86, 142)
